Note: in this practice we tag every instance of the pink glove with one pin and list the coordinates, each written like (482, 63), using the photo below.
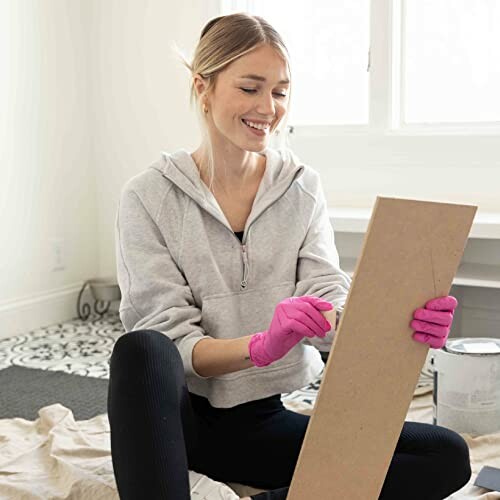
(433, 323)
(294, 318)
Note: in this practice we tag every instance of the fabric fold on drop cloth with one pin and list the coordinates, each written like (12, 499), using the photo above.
(55, 456)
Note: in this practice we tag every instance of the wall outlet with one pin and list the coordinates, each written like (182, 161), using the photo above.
(58, 253)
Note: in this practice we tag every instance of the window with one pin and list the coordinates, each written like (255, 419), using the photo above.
(450, 61)
(389, 66)
(328, 44)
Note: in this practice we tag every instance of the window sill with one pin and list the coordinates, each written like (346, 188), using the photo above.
(486, 225)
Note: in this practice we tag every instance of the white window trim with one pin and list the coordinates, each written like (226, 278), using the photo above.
(386, 96)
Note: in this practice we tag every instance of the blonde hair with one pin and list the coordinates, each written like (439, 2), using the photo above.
(222, 40)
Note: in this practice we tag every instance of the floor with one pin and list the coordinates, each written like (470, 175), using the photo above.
(84, 348)
(81, 347)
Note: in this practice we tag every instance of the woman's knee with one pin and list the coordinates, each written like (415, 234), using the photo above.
(142, 346)
(456, 457)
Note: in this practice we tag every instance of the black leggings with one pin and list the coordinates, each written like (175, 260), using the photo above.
(159, 430)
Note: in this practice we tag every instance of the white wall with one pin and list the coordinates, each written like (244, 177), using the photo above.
(140, 94)
(450, 168)
(47, 183)
(96, 97)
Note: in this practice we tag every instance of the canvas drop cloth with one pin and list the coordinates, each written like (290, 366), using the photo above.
(56, 457)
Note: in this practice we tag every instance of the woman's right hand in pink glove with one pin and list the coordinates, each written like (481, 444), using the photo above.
(294, 318)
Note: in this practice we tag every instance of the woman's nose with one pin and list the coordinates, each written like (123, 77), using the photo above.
(267, 105)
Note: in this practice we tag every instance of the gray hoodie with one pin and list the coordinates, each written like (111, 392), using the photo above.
(183, 272)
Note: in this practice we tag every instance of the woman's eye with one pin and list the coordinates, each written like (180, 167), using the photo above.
(250, 91)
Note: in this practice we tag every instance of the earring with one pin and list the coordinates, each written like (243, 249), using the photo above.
(205, 109)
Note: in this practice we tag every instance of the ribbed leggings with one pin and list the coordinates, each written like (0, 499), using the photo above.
(159, 430)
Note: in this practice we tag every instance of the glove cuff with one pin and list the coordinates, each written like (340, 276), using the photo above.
(256, 350)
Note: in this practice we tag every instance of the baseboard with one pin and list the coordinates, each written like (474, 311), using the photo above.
(23, 315)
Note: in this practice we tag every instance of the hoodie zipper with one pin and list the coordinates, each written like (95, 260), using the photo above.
(243, 246)
(244, 282)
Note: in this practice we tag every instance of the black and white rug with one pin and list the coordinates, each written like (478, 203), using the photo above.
(84, 348)
(78, 347)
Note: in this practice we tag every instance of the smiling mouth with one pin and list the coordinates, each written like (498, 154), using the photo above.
(258, 131)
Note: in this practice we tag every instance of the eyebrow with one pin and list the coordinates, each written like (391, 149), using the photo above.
(261, 78)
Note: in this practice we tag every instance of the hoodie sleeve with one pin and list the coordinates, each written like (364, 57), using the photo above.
(155, 294)
(318, 268)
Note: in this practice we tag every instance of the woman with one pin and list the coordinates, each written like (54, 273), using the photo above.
(226, 262)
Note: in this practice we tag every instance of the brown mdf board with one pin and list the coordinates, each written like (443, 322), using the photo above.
(410, 255)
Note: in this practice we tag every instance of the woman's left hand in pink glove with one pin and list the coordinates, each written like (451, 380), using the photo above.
(432, 324)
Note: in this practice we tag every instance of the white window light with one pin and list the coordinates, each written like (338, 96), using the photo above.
(329, 58)
(450, 54)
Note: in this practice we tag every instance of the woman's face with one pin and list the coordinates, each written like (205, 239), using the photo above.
(254, 88)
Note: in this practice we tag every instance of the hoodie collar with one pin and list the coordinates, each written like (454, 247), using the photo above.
(282, 168)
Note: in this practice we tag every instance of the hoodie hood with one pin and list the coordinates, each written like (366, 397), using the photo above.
(283, 167)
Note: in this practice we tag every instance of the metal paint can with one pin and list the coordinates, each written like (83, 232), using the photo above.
(466, 395)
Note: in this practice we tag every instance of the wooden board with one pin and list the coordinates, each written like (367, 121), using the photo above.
(410, 255)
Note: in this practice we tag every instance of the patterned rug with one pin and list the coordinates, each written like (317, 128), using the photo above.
(84, 348)
(79, 347)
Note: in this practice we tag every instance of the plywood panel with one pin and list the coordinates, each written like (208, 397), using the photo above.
(410, 254)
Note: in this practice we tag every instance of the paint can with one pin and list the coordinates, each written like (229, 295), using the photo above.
(466, 395)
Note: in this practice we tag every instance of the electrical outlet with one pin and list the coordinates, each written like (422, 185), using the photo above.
(58, 254)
